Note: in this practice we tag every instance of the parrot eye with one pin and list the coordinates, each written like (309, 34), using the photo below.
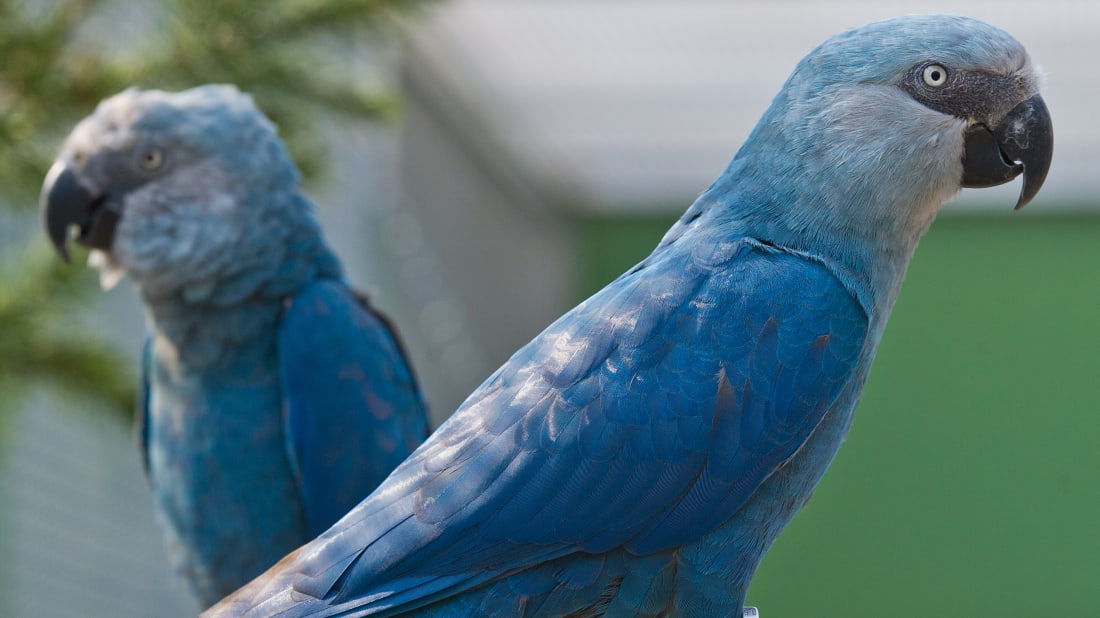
(151, 159)
(934, 75)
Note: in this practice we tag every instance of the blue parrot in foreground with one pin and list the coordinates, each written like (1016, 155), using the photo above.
(640, 455)
(275, 398)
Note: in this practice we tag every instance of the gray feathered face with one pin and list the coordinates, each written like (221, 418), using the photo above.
(881, 125)
(966, 70)
(161, 185)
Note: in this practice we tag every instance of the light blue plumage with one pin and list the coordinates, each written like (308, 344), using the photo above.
(640, 456)
(275, 398)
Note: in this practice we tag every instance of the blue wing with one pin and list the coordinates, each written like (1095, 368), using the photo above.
(353, 408)
(642, 419)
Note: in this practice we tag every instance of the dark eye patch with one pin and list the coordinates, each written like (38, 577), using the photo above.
(967, 94)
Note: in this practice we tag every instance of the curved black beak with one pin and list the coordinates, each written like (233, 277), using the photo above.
(65, 203)
(1022, 142)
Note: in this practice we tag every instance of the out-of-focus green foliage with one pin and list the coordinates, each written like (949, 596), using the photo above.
(58, 59)
(34, 347)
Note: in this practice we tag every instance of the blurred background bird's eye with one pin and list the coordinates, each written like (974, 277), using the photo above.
(152, 159)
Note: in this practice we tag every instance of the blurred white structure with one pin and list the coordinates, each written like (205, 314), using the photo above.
(628, 105)
(77, 534)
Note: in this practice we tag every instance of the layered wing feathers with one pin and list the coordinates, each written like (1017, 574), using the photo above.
(643, 419)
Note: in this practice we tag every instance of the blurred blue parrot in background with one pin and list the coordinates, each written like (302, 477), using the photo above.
(275, 398)
(639, 457)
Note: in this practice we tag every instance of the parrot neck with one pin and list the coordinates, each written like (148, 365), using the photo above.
(207, 320)
(871, 263)
(845, 185)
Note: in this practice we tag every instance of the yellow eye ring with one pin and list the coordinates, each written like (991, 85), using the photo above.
(934, 75)
(151, 159)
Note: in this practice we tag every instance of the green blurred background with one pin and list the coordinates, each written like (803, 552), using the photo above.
(481, 166)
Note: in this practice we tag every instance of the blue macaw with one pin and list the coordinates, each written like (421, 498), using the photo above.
(275, 398)
(640, 455)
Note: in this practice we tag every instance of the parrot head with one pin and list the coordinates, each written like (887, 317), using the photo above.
(162, 186)
(966, 70)
(879, 126)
